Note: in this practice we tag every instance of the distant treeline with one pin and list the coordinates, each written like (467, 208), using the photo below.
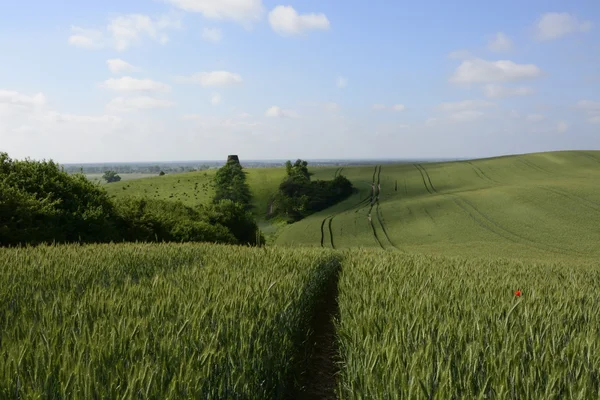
(41, 203)
(180, 167)
(135, 169)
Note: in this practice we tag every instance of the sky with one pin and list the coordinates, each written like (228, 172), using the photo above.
(171, 80)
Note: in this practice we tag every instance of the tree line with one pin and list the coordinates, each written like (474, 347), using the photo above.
(298, 196)
(41, 203)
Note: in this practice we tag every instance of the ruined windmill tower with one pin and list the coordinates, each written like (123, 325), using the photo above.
(233, 159)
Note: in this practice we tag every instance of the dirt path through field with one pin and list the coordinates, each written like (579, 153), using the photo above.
(320, 381)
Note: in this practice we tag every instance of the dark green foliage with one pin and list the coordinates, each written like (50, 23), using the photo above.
(41, 203)
(150, 220)
(161, 173)
(230, 184)
(298, 197)
(236, 218)
(111, 176)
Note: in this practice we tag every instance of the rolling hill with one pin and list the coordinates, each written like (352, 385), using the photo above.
(535, 206)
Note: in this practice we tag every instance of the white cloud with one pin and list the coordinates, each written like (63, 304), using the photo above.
(459, 54)
(466, 115)
(12, 98)
(128, 30)
(237, 10)
(277, 112)
(500, 42)
(129, 84)
(86, 38)
(553, 25)
(285, 20)
(481, 71)
(215, 99)
(465, 111)
(117, 66)
(499, 91)
(398, 107)
(53, 116)
(378, 107)
(331, 107)
(214, 78)
(588, 105)
(212, 35)
(341, 82)
(465, 105)
(562, 127)
(126, 104)
(535, 117)
(592, 108)
(244, 115)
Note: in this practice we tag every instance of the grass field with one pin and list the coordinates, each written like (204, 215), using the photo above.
(124, 177)
(419, 327)
(539, 207)
(425, 306)
(157, 321)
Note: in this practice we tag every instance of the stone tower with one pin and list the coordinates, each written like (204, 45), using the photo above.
(233, 158)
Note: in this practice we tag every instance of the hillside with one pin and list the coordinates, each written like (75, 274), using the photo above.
(541, 206)
(535, 206)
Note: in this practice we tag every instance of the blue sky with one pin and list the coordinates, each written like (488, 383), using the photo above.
(160, 80)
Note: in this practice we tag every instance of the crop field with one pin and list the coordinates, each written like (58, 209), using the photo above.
(542, 206)
(157, 321)
(431, 327)
(469, 279)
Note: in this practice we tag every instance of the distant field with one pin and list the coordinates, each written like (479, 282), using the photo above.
(542, 206)
(124, 177)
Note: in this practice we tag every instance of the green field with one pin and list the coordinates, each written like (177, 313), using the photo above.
(542, 206)
(124, 177)
(416, 303)
(157, 321)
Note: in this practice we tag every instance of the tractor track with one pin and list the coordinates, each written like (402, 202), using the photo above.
(487, 223)
(373, 199)
(428, 178)
(423, 177)
(576, 198)
(480, 172)
(329, 219)
(499, 230)
(534, 166)
(591, 157)
(378, 212)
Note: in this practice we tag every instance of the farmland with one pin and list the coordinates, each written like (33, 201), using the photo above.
(417, 327)
(470, 279)
(162, 321)
(542, 206)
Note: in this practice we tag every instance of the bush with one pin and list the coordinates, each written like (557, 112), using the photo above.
(298, 197)
(236, 218)
(150, 220)
(41, 203)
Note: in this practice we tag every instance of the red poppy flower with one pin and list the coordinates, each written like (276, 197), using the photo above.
(518, 293)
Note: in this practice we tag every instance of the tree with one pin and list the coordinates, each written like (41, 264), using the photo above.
(162, 173)
(111, 176)
(236, 218)
(41, 203)
(230, 184)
